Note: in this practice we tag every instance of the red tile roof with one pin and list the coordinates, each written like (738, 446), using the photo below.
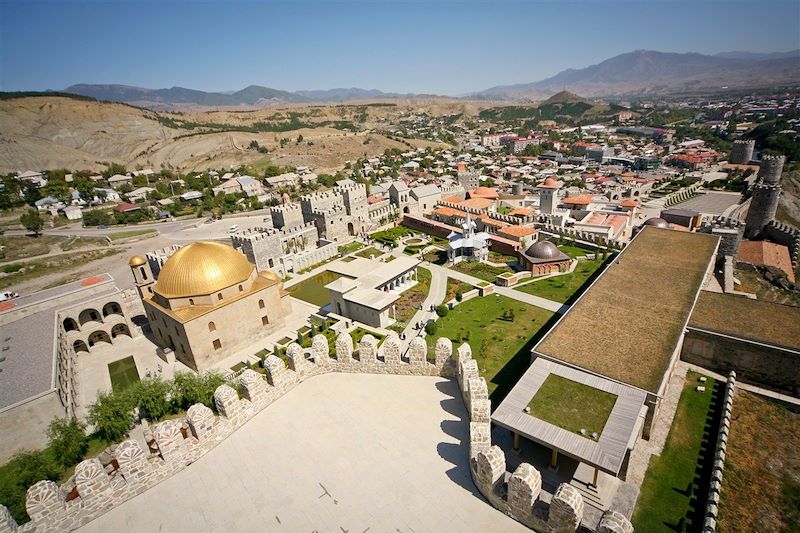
(581, 199)
(764, 253)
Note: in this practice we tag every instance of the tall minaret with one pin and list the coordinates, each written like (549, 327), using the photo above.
(766, 193)
(142, 275)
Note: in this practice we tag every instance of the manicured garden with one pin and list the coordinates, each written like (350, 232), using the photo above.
(572, 406)
(673, 494)
(500, 331)
(368, 253)
(480, 270)
(562, 288)
(410, 300)
(312, 290)
(350, 248)
(454, 287)
(391, 235)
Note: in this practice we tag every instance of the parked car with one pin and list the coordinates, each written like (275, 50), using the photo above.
(8, 296)
(102, 226)
(234, 228)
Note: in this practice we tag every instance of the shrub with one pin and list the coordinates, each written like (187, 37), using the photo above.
(67, 439)
(442, 310)
(150, 395)
(112, 415)
(189, 388)
(24, 469)
(459, 295)
(430, 328)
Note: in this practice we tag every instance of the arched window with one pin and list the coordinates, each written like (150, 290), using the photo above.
(212, 326)
(240, 288)
(191, 301)
(143, 272)
(70, 324)
(261, 304)
(219, 296)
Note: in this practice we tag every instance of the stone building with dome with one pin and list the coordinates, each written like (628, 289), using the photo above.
(543, 258)
(208, 301)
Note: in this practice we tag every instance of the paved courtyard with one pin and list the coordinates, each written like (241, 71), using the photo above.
(341, 452)
(710, 203)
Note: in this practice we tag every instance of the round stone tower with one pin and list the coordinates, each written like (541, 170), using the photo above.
(742, 152)
(766, 193)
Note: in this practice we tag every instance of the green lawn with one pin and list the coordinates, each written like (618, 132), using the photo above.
(369, 252)
(561, 288)
(350, 248)
(572, 406)
(312, 290)
(123, 373)
(670, 493)
(391, 235)
(480, 270)
(574, 251)
(500, 345)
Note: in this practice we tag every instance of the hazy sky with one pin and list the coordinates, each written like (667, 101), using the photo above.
(443, 47)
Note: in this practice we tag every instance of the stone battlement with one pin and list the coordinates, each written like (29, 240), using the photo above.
(285, 208)
(259, 233)
(95, 489)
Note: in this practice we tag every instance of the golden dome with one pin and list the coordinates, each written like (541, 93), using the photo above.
(269, 274)
(202, 268)
(136, 260)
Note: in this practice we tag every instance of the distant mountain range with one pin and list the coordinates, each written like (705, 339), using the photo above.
(254, 95)
(638, 73)
(646, 72)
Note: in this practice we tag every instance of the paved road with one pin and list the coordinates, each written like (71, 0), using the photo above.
(341, 452)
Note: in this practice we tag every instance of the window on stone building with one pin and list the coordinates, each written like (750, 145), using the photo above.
(212, 326)
(217, 344)
(265, 320)
(261, 304)
(191, 301)
(240, 288)
(219, 296)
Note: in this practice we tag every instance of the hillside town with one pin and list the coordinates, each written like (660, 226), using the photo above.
(565, 305)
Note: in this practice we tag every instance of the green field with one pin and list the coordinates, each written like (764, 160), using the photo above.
(369, 252)
(350, 248)
(671, 492)
(480, 270)
(500, 343)
(562, 288)
(574, 251)
(123, 373)
(312, 290)
(571, 405)
(132, 233)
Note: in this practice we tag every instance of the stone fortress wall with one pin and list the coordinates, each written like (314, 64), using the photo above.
(96, 488)
(742, 152)
(712, 501)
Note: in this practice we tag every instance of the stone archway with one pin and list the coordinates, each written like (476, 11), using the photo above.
(79, 346)
(98, 336)
(89, 315)
(112, 308)
(70, 324)
(351, 229)
(120, 329)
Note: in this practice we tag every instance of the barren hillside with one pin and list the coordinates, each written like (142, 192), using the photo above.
(50, 132)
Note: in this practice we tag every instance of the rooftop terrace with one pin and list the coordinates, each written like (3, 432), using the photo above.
(627, 325)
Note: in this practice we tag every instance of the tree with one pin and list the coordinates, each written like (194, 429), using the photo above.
(112, 415)
(459, 295)
(430, 328)
(151, 398)
(67, 440)
(189, 388)
(22, 471)
(442, 310)
(32, 221)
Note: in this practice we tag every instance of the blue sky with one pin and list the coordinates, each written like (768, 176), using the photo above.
(442, 47)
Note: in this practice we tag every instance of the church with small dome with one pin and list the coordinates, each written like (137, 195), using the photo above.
(208, 301)
(467, 245)
(543, 258)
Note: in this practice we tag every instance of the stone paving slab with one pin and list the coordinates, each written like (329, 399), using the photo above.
(341, 452)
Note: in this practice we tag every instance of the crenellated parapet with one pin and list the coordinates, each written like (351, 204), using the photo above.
(95, 489)
(517, 494)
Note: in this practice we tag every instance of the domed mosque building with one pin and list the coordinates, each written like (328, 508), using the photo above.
(209, 301)
(543, 258)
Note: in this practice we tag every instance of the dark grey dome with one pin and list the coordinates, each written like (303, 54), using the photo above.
(657, 222)
(543, 250)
